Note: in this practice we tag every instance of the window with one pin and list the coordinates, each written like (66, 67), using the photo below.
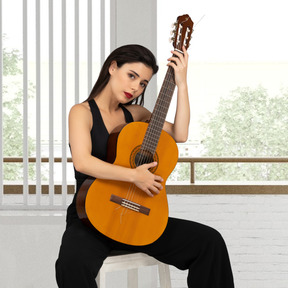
(238, 86)
(51, 56)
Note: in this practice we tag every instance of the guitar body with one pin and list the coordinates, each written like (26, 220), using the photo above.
(112, 207)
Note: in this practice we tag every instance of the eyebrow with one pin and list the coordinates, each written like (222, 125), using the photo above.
(138, 75)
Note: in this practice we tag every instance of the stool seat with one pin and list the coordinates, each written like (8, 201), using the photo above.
(131, 261)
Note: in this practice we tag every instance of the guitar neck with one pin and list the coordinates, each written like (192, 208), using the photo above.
(159, 113)
(182, 35)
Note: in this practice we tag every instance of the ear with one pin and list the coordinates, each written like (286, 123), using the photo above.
(113, 67)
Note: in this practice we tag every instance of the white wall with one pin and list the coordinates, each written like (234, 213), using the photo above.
(29, 245)
(255, 228)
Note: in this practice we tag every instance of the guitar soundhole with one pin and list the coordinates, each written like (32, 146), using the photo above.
(143, 157)
(140, 157)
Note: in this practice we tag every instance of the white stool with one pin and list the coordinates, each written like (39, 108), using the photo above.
(125, 260)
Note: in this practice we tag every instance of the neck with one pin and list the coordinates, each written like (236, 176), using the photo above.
(106, 101)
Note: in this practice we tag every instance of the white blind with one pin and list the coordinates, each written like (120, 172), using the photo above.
(60, 46)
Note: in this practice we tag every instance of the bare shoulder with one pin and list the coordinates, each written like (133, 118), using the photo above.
(80, 108)
(139, 113)
(80, 112)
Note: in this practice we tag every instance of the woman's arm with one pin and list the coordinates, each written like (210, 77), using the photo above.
(179, 129)
(80, 123)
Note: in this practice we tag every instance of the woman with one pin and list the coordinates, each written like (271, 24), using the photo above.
(184, 244)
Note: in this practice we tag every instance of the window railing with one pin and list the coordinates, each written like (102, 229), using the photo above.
(232, 187)
(63, 192)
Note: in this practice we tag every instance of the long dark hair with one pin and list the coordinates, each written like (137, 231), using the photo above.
(125, 54)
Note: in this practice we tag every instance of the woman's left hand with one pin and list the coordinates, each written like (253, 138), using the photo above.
(180, 65)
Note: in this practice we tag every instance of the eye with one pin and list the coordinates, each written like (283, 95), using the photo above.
(143, 85)
(131, 76)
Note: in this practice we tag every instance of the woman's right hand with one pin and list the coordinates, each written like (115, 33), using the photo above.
(147, 181)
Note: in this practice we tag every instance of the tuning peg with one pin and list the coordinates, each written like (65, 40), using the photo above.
(174, 25)
(173, 32)
(171, 39)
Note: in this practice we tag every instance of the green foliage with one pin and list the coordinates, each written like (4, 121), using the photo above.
(248, 123)
(180, 173)
(12, 115)
(10, 62)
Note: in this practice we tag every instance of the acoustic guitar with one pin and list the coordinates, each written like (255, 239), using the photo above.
(120, 210)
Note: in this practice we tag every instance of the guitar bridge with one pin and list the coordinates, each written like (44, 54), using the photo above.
(130, 205)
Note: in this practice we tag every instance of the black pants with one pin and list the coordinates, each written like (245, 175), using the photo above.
(184, 244)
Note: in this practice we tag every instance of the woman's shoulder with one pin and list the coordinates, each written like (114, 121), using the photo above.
(138, 112)
(80, 111)
(80, 108)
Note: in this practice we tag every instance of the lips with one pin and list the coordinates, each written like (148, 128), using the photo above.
(128, 95)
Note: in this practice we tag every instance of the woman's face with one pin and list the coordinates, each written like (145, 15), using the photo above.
(129, 81)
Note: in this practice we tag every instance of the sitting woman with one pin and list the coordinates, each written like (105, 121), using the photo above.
(113, 101)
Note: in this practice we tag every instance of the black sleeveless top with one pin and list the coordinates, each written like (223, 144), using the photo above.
(99, 138)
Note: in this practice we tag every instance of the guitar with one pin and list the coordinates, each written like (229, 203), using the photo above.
(120, 210)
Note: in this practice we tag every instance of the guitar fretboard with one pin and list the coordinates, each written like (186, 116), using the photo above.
(159, 114)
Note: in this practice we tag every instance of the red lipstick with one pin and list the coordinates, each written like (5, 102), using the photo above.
(128, 95)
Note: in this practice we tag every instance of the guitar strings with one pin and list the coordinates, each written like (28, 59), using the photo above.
(170, 80)
(130, 195)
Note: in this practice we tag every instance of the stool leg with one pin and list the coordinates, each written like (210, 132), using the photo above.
(132, 278)
(101, 279)
(164, 275)
(97, 280)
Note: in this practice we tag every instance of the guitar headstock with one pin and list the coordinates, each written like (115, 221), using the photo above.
(182, 32)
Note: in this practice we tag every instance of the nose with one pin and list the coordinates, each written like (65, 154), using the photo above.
(134, 86)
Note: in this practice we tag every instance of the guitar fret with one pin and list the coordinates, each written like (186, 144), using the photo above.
(159, 114)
